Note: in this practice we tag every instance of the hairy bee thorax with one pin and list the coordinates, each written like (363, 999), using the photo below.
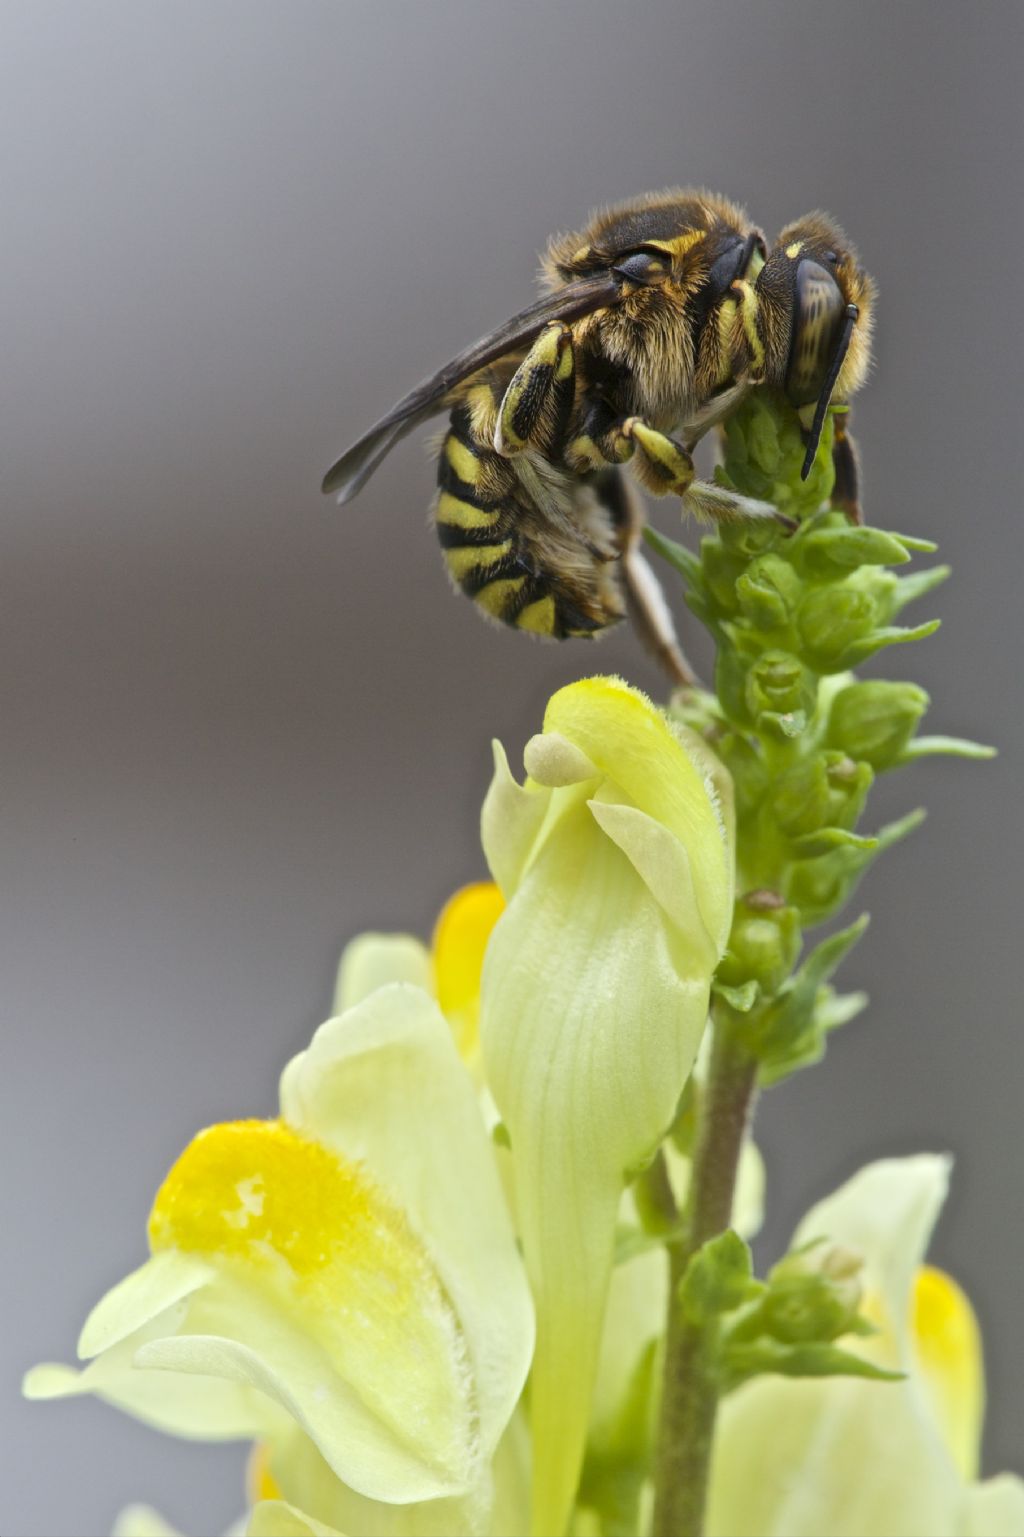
(672, 336)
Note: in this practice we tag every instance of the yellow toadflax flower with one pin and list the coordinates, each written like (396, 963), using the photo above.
(615, 858)
(847, 1457)
(348, 1271)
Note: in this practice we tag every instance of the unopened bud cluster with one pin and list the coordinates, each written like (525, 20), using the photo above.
(792, 615)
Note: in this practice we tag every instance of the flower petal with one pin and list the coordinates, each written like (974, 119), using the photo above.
(847, 1457)
(664, 770)
(594, 999)
(276, 1518)
(372, 960)
(198, 1408)
(335, 1308)
(995, 1508)
(590, 1029)
(460, 940)
(947, 1343)
(498, 1504)
(384, 1084)
(886, 1212)
(142, 1521)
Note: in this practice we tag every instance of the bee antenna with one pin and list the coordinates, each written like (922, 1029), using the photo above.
(827, 387)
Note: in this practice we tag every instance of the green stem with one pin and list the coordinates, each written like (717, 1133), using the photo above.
(689, 1402)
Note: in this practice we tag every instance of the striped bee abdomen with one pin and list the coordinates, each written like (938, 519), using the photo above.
(506, 551)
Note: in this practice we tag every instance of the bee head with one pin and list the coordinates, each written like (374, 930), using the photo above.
(814, 306)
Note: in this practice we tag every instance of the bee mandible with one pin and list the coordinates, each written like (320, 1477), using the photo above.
(658, 318)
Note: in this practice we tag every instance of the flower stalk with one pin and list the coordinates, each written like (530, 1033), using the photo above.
(791, 616)
(690, 1385)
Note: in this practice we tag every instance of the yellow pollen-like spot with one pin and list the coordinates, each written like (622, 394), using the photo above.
(462, 460)
(793, 251)
(309, 1235)
(948, 1346)
(539, 617)
(460, 940)
(257, 1191)
(464, 559)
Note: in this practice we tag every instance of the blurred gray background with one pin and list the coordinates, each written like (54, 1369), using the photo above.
(241, 725)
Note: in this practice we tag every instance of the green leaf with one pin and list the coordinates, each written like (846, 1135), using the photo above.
(744, 1360)
(948, 746)
(719, 1278)
(678, 556)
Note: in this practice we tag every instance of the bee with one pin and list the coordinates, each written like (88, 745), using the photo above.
(657, 320)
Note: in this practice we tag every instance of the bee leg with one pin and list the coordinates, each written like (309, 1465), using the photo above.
(601, 443)
(535, 410)
(845, 462)
(664, 467)
(713, 412)
(646, 605)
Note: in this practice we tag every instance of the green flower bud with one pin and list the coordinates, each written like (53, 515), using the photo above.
(874, 721)
(833, 618)
(779, 684)
(768, 592)
(813, 1294)
(764, 943)
(825, 790)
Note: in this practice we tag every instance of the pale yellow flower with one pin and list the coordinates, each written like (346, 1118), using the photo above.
(615, 858)
(848, 1457)
(349, 1270)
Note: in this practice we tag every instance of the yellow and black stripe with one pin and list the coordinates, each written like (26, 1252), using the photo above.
(477, 520)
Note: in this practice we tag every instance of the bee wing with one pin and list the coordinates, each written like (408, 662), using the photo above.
(582, 297)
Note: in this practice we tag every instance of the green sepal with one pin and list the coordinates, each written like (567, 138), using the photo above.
(909, 588)
(678, 556)
(790, 1032)
(917, 546)
(631, 1242)
(886, 635)
(844, 549)
(744, 1360)
(820, 885)
(948, 746)
(833, 838)
(833, 1010)
(741, 998)
(718, 1279)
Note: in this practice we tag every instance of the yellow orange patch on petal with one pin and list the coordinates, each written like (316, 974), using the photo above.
(260, 1482)
(947, 1341)
(285, 1216)
(460, 941)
